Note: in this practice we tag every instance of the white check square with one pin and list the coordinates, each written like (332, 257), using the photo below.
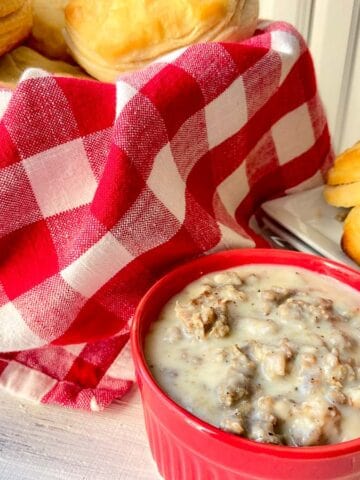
(14, 331)
(293, 134)
(25, 381)
(124, 93)
(96, 266)
(234, 189)
(167, 184)
(61, 178)
(227, 113)
(5, 98)
(287, 46)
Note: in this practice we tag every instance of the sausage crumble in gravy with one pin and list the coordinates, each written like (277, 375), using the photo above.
(271, 353)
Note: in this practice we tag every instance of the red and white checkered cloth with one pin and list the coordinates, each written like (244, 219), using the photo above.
(104, 188)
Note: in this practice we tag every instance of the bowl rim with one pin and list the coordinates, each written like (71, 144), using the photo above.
(288, 256)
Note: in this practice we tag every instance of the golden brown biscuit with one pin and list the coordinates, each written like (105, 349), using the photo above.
(243, 23)
(112, 36)
(15, 27)
(347, 195)
(10, 6)
(14, 63)
(48, 24)
(343, 190)
(346, 168)
(350, 241)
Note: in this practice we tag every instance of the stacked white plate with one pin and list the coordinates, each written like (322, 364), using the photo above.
(305, 222)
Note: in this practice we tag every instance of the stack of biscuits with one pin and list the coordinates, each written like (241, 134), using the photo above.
(38, 26)
(343, 190)
(109, 37)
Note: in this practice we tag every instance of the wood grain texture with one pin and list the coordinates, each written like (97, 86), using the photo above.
(40, 442)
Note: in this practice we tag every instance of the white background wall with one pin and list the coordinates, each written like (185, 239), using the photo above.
(332, 30)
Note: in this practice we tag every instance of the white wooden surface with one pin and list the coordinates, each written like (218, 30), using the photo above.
(332, 31)
(53, 443)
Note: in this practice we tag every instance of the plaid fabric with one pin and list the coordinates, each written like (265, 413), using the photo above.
(103, 188)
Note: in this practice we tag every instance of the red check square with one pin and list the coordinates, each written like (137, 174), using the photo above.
(27, 257)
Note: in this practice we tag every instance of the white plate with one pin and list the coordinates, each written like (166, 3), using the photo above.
(280, 237)
(312, 220)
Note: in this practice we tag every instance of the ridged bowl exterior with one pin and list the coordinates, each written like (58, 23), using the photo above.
(184, 447)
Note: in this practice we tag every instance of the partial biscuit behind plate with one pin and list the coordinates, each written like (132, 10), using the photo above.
(346, 168)
(347, 195)
(350, 241)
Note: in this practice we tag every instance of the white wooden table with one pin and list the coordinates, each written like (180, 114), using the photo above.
(40, 442)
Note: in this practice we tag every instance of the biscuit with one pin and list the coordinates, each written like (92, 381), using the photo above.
(15, 27)
(346, 168)
(112, 36)
(47, 32)
(350, 241)
(14, 63)
(347, 195)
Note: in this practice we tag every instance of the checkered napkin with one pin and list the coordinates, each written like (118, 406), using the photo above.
(104, 188)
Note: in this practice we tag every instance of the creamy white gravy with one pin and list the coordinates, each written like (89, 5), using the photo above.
(270, 353)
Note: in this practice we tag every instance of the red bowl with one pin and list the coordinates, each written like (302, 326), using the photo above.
(186, 448)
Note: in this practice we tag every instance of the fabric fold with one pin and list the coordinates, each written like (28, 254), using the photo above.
(103, 188)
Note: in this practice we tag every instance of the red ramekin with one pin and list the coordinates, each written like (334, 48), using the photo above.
(186, 448)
